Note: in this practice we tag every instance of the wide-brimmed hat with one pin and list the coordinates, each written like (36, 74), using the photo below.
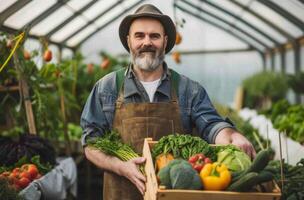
(148, 10)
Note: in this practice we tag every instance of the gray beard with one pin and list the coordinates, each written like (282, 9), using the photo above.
(147, 63)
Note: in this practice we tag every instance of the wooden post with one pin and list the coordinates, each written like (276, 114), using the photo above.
(24, 91)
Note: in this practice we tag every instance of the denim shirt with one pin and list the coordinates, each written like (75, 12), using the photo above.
(196, 109)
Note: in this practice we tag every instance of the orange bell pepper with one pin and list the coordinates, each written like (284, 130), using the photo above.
(215, 176)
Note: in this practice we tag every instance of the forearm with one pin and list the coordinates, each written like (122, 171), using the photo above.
(103, 161)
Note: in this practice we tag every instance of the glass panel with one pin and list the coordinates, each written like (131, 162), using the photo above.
(295, 8)
(250, 40)
(97, 8)
(76, 4)
(290, 62)
(114, 12)
(81, 35)
(277, 62)
(262, 26)
(210, 9)
(255, 34)
(229, 7)
(51, 21)
(28, 13)
(68, 29)
(276, 19)
(6, 3)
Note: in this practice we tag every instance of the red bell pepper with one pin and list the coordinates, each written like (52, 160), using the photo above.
(198, 161)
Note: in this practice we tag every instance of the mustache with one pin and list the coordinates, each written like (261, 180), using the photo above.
(147, 49)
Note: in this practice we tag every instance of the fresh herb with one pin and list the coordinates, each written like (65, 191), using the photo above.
(112, 145)
(183, 146)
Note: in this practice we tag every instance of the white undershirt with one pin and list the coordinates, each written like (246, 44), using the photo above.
(150, 88)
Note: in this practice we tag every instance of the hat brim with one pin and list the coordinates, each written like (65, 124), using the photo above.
(164, 19)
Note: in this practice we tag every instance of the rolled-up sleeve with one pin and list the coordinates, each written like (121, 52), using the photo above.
(208, 122)
(93, 120)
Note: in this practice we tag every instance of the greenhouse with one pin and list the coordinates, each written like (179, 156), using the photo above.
(151, 99)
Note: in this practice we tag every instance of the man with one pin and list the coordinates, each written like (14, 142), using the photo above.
(150, 100)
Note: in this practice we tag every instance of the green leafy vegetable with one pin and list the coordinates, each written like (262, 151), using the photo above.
(234, 158)
(111, 144)
(183, 146)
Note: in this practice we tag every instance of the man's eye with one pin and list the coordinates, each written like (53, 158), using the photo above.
(154, 36)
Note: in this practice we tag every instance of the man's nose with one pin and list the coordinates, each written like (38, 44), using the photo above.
(147, 41)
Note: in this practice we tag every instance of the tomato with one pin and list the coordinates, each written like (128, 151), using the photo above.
(176, 57)
(38, 176)
(9, 44)
(47, 55)
(26, 55)
(178, 38)
(16, 171)
(25, 174)
(31, 170)
(23, 182)
(105, 63)
(90, 68)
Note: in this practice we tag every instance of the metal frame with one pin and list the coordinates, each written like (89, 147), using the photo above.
(12, 9)
(266, 21)
(15, 31)
(46, 13)
(112, 20)
(226, 22)
(284, 13)
(241, 20)
(91, 21)
(65, 22)
(218, 26)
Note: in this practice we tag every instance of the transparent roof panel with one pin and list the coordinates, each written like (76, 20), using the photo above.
(97, 8)
(76, 5)
(81, 35)
(248, 39)
(114, 12)
(263, 26)
(296, 8)
(51, 21)
(28, 13)
(229, 7)
(276, 18)
(6, 3)
(255, 34)
(67, 29)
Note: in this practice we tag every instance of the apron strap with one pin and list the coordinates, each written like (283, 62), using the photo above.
(120, 77)
(175, 82)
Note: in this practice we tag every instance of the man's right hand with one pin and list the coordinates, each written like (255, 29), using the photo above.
(130, 170)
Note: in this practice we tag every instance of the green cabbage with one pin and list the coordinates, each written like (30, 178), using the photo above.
(234, 158)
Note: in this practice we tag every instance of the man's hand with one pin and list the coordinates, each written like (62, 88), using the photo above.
(127, 169)
(230, 136)
(130, 170)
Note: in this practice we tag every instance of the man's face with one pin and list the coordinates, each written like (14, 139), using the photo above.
(147, 43)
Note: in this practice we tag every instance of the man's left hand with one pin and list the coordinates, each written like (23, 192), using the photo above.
(231, 136)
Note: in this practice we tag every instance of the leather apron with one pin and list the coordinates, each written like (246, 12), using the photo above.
(135, 122)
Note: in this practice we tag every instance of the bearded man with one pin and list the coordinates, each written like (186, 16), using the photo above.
(148, 100)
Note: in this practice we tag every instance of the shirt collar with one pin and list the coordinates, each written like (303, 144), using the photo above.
(130, 87)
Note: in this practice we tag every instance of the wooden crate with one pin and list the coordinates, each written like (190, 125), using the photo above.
(156, 192)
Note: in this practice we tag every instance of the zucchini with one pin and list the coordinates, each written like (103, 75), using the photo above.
(260, 162)
(245, 183)
(264, 176)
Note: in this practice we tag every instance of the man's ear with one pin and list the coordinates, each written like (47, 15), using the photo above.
(166, 41)
(128, 40)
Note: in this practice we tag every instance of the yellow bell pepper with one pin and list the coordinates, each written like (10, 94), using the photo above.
(215, 176)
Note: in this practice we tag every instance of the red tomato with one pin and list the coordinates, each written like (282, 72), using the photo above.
(26, 55)
(23, 182)
(105, 63)
(90, 68)
(47, 55)
(9, 44)
(31, 169)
